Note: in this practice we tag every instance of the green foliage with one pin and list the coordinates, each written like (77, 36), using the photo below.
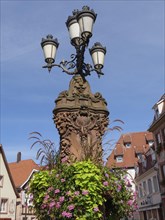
(38, 186)
(81, 191)
(47, 151)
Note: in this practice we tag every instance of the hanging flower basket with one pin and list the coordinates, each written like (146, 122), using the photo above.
(81, 191)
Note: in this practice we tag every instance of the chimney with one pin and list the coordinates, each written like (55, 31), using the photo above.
(18, 157)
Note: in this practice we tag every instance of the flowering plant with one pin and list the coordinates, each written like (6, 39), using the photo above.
(81, 191)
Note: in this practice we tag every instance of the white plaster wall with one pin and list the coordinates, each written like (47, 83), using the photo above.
(131, 177)
(7, 191)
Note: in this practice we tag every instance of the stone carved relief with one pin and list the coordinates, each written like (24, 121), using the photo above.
(79, 87)
(81, 119)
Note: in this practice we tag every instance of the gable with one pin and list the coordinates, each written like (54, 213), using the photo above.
(5, 173)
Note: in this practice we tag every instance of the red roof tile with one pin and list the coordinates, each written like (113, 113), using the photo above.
(139, 144)
(21, 171)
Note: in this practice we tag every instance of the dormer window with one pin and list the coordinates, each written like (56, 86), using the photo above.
(119, 159)
(159, 107)
(156, 113)
(139, 155)
(127, 144)
(150, 143)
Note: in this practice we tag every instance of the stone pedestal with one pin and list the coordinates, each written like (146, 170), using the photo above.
(81, 119)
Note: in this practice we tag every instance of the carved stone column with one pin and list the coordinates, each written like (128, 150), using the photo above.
(81, 119)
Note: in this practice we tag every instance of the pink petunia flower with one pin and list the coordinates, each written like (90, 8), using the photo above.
(43, 206)
(62, 180)
(136, 206)
(106, 174)
(96, 209)
(85, 192)
(56, 191)
(46, 197)
(58, 205)
(61, 199)
(68, 193)
(69, 215)
(64, 213)
(135, 194)
(77, 193)
(105, 183)
(50, 188)
(130, 202)
(71, 207)
(52, 204)
(119, 188)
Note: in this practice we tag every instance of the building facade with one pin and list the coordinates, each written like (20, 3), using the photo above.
(147, 186)
(8, 193)
(158, 129)
(126, 153)
(22, 172)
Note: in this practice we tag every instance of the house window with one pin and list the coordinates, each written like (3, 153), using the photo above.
(154, 214)
(144, 162)
(119, 159)
(153, 155)
(3, 205)
(158, 139)
(144, 188)
(149, 186)
(137, 170)
(140, 191)
(163, 134)
(156, 113)
(155, 182)
(163, 172)
(149, 214)
(1, 181)
(137, 191)
(150, 143)
(138, 155)
(128, 144)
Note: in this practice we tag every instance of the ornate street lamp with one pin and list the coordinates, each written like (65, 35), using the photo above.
(49, 46)
(80, 116)
(97, 52)
(80, 26)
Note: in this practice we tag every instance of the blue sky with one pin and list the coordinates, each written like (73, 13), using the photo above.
(133, 33)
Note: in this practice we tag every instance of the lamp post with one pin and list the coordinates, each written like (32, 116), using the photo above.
(81, 117)
(80, 26)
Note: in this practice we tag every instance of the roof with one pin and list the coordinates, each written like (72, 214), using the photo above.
(22, 170)
(138, 144)
(8, 170)
(162, 98)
